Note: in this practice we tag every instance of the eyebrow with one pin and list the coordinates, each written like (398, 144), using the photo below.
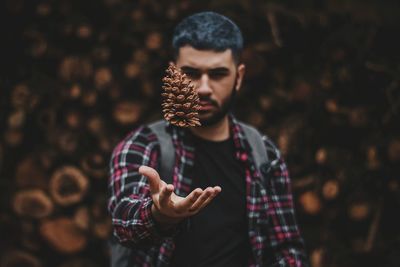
(214, 70)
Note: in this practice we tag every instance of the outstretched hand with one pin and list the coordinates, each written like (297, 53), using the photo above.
(171, 208)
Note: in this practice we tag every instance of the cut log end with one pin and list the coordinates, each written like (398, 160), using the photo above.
(32, 203)
(310, 203)
(63, 235)
(68, 186)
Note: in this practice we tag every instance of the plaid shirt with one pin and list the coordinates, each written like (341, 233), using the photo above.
(273, 232)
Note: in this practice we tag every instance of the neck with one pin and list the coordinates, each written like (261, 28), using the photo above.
(216, 132)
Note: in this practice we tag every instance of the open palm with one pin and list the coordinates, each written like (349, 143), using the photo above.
(171, 208)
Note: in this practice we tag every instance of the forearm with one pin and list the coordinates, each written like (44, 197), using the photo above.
(135, 225)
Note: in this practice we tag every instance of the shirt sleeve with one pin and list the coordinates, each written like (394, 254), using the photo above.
(129, 193)
(285, 241)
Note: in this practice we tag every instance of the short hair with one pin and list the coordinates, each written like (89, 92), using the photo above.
(208, 31)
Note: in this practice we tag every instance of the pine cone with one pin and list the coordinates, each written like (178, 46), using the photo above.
(180, 99)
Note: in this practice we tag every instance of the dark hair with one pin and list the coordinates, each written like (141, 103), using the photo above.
(208, 31)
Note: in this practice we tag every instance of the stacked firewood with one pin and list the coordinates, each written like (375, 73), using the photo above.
(323, 83)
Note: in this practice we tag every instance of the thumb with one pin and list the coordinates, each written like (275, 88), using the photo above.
(152, 176)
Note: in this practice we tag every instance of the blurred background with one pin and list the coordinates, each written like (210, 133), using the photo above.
(322, 81)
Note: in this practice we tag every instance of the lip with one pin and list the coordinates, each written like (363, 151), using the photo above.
(204, 106)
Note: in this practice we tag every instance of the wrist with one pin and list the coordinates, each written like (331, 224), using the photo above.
(162, 218)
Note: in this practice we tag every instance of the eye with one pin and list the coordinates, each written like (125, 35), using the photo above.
(191, 73)
(217, 74)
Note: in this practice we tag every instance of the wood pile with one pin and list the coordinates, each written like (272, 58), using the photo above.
(322, 81)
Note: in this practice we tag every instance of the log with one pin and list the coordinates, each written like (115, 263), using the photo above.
(141, 56)
(107, 143)
(310, 203)
(63, 235)
(38, 45)
(73, 119)
(32, 203)
(96, 125)
(330, 189)
(127, 112)
(47, 157)
(101, 53)
(102, 78)
(67, 141)
(393, 151)
(373, 162)
(132, 70)
(95, 165)
(18, 258)
(102, 229)
(115, 92)
(68, 185)
(89, 98)
(29, 174)
(102, 222)
(82, 218)
(148, 88)
(84, 31)
(359, 210)
(358, 117)
(265, 103)
(154, 41)
(43, 9)
(321, 156)
(75, 91)
(20, 96)
(73, 68)
(316, 257)
(13, 137)
(16, 119)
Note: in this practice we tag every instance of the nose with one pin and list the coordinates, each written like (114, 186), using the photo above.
(204, 85)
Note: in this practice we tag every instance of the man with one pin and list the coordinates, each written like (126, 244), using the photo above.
(218, 210)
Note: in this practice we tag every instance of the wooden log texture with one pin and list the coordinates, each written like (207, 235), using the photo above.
(32, 203)
(63, 235)
(95, 165)
(17, 258)
(68, 185)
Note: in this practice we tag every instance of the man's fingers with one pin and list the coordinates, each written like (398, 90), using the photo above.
(213, 192)
(217, 190)
(188, 201)
(165, 195)
(203, 197)
(152, 177)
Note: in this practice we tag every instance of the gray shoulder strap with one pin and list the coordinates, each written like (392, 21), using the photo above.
(257, 145)
(167, 150)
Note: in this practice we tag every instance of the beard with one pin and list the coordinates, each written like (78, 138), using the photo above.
(225, 108)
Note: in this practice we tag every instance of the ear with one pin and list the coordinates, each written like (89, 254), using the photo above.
(240, 74)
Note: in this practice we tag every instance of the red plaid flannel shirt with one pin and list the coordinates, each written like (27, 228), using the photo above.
(272, 228)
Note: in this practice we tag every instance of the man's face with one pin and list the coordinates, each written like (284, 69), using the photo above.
(215, 76)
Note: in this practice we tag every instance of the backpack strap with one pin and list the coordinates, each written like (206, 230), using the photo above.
(258, 149)
(167, 150)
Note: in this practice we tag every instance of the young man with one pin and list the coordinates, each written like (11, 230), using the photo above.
(219, 209)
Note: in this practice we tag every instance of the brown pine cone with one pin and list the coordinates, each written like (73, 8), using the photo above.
(180, 99)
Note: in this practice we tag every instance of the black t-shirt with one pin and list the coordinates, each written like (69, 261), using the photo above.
(218, 234)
